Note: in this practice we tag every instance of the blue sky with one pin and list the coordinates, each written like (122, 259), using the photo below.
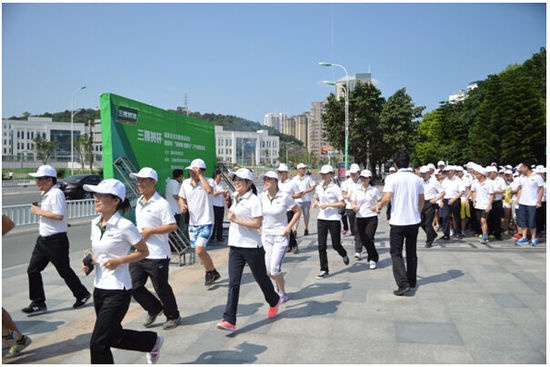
(250, 59)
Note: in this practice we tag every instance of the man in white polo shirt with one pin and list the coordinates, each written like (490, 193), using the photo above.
(289, 187)
(405, 191)
(196, 196)
(155, 220)
(306, 186)
(52, 244)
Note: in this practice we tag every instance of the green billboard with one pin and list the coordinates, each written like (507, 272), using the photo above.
(139, 135)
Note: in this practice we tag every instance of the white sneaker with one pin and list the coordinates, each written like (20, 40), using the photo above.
(372, 264)
(357, 256)
(153, 355)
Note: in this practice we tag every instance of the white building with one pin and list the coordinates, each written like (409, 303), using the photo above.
(18, 136)
(246, 148)
(341, 84)
(275, 120)
(462, 94)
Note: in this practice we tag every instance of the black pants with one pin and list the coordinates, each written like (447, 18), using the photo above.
(110, 308)
(218, 222)
(238, 258)
(446, 212)
(157, 270)
(399, 236)
(292, 243)
(426, 221)
(474, 222)
(366, 228)
(353, 227)
(323, 229)
(54, 249)
(494, 219)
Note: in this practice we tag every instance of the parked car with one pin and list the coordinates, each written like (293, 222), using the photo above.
(72, 186)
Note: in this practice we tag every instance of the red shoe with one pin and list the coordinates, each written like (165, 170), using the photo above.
(226, 325)
(273, 310)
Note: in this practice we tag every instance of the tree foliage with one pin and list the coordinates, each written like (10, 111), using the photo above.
(44, 149)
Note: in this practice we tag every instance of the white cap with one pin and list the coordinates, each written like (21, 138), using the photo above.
(347, 173)
(540, 169)
(448, 168)
(197, 163)
(108, 186)
(146, 172)
(392, 169)
(508, 166)
(430, 166)
(365, 173)
(479, 168)
(459, 168)
(243, 173)
(282, 168)
(424, 169)
(301, 165)
(354, 168)
(271, 174)
(44, 171)
(508, 172)
(327, 168)
(440, 163)
(491, 169)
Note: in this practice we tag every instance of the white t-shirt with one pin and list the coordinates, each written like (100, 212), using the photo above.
(219, 200)
(289, 187)
(246, 208)
(452, 187)
(406, 188)
(305, 182)
(173, 188)
(199, 203)
(498, 184)
(530, 189)
(331, 194)
(483, 192)
(155, 213)
(366, 198)
(274, 212)
(466, 184)
(52, 201)
(120, 234)
(348, 186)
(432, 188)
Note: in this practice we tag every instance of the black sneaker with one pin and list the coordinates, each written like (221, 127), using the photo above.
(210, 277)
(345, 259)
(35, 309)
(323, 274)
(172, 323)
(151, 319)
(401, 291)
(81, 301)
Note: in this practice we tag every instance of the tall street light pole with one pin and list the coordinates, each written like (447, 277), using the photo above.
(346, 109)
(72, 125)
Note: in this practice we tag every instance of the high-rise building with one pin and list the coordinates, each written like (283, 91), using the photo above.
(297, 126)
(275, 120)
(341, 84)
(316, 138)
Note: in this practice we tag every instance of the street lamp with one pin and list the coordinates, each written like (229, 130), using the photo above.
(346, 121)
(72, 124)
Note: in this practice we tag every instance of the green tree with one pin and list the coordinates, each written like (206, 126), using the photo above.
(44, 148)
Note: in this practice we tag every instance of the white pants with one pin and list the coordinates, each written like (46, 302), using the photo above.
(275, 250)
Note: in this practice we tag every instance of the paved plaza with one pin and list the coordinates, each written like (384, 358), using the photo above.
(473, 303)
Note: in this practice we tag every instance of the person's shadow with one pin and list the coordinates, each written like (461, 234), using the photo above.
(438, 278)
(243, 353)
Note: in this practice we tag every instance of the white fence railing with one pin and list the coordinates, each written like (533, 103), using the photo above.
(21, 214)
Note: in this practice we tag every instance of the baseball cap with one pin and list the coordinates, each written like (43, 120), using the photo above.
(424, 169)
(109, 186)
(441, 163)
(491, 169)
(282, 168)
(327, 168)
(146, 172)
(354, 168)
(365, 173)
(392, 169)
(243, 173)
(44, 171)
(430, 166)
(301, 165)
(271, 174)
(197, 163)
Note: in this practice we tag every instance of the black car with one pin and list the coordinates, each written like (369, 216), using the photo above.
(72, 186)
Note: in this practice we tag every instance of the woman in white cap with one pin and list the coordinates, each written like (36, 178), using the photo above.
(329, 200)
(245, 248)
(276, 228)
(363, 202)
(112, 239)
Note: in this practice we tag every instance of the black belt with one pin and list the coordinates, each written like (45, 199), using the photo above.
(54, 236)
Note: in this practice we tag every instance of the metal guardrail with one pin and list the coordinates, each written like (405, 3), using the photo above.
(21, 214)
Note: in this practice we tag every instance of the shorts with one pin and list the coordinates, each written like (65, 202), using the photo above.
(526, 216)
(464, 209)
(199, 235)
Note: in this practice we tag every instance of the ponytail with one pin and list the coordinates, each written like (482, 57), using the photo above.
(253, 188)
(123, 205)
